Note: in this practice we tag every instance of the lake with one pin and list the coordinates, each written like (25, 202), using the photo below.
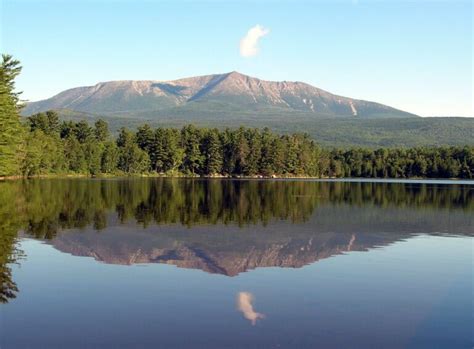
(210, 263)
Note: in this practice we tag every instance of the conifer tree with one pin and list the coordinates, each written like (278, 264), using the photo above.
(213, 153)
(190, 140)
(11, 130)
(101, 130)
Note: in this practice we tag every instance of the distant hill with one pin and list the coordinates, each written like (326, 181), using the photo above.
(233, 93)
(234, 99)
(340, 132)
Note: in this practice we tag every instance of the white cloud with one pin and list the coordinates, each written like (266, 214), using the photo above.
(249, 43)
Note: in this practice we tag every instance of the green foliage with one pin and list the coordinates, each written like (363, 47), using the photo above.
(346, 132)
(145, 138)
(52, 148)
(109, 159)
(44, 154)
(101, 130)
(190, 142)
(213, 152)
(82, 131)
(11, 130)
(93, 153)
(131, 158)
(47, 122)
(74, 154)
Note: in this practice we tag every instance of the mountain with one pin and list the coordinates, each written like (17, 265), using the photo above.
(233, 93)
(234, 99)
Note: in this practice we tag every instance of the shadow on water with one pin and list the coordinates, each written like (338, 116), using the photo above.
(221, 226)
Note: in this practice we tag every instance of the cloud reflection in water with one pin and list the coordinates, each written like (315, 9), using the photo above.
(244, 304)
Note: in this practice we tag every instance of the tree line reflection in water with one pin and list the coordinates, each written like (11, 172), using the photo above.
(43, 208)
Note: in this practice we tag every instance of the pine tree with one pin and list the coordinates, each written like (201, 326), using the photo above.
(241, 152)
(190, 140)
(213, 153)
(291, 155)
(101, 130)
(144, 137)
(110, 155)
(74, 155)
(93, 151)
(11, 130)
(131, 158)
(174, 152)
(267, 155)
(227, 140)
(255, 150)
(38, 121)
(159, 154)
(82, 131)
(54, 126)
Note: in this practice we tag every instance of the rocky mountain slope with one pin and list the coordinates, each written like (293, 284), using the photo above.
(232, 94)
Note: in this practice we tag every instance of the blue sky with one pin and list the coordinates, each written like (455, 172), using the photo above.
(413, 55)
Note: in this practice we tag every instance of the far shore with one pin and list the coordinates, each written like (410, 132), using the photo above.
(256, 177)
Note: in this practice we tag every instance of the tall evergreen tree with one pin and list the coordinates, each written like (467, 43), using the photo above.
(241, 152)
(109, 159)
(254, 142)
(82, 131)
(131, 158)
(11, 130)
(74, 154)
(267, 156)
(174, 152)
(101, 130)
(213, 153)
(191, 143)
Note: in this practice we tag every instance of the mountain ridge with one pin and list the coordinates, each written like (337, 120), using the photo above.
(234, 99)
(210, 93)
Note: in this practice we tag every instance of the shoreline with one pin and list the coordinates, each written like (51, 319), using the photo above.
(257, 177)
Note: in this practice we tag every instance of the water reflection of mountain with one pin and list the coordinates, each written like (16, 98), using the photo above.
(227, 253)
(230, 250)
(222, 226)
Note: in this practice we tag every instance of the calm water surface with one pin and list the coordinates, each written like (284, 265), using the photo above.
(168, 263)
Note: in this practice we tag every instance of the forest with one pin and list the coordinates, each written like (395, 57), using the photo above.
(42, 144)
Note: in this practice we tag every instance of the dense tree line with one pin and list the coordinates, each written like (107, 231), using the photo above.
(75, 147)
(46, 145)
